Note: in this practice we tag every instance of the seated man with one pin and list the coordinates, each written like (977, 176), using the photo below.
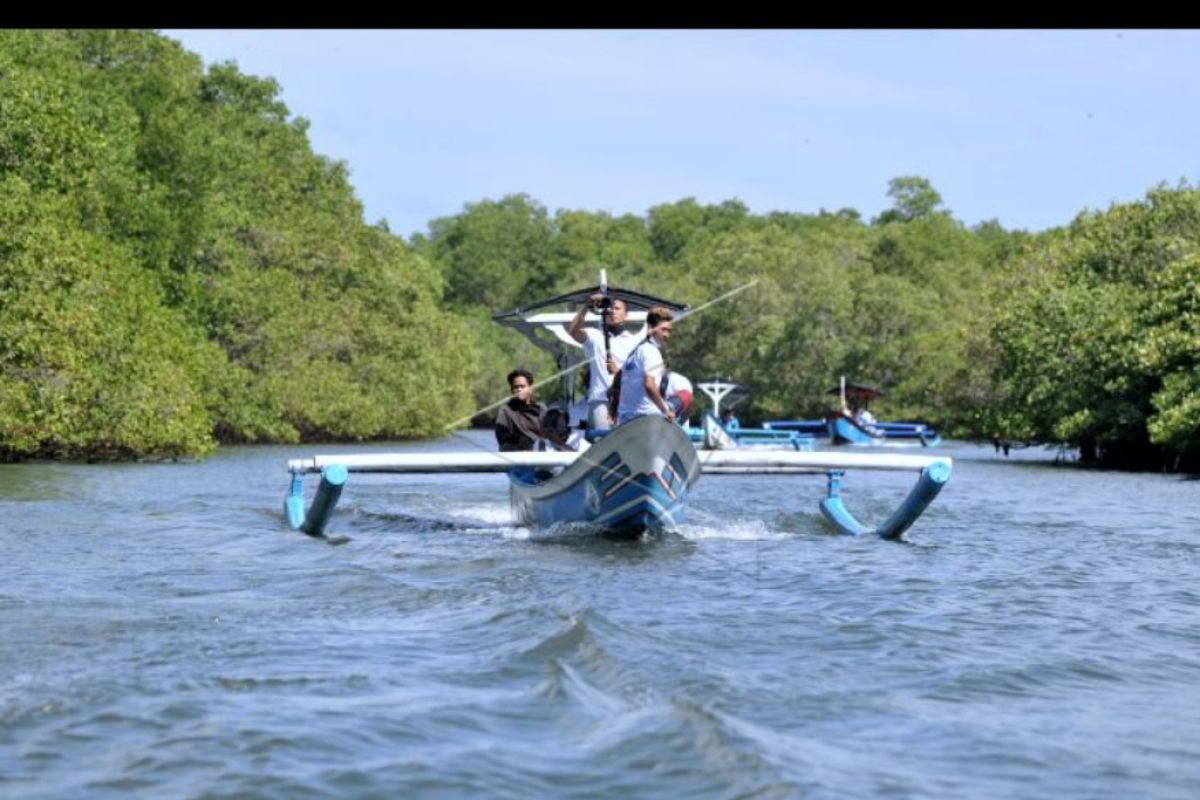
(860, 416)
(519, 421)
(866, 421)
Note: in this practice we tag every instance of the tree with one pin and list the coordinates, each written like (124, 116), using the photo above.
(178, 264)
(913, 198)
(496, 253)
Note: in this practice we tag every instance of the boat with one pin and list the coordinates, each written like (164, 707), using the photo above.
(847, 429)
(713, 434)
(631, 481)
(932, 475)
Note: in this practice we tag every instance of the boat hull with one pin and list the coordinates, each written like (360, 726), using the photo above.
(715, 436)
(634, 480)
(843, 431)
(891, 434)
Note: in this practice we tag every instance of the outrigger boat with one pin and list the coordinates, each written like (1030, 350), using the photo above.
(633, 480)
(717, 435)
(847, 430)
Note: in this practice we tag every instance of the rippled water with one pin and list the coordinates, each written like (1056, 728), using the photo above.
(162, 634)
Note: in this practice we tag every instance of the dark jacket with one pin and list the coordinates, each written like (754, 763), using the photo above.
(519, 425)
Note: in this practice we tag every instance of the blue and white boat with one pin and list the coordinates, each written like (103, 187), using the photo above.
(851, 429)
(634, 480)
(847, 430)
(651, 497)
(713, 434)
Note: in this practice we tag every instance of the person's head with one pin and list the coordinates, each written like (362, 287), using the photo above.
(556, 425)
(616, 317)
(520, 383)
(616, 312)
(659, 323)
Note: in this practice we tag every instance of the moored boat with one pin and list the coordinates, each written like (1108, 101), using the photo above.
(853, 424)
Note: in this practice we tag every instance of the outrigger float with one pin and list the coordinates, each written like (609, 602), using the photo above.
(624, 486)
(632, 481)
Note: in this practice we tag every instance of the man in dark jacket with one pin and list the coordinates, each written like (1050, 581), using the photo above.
(519, 421)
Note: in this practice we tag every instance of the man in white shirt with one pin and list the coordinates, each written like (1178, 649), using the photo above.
(642, 374)
(604, 359)
(866, 421)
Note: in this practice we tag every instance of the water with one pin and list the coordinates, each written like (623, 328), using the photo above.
(162, 634)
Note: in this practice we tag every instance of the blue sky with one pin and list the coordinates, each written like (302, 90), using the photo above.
(1026, 127)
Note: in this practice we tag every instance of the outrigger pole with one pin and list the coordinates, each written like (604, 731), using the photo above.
(934, 472)
(605, 313)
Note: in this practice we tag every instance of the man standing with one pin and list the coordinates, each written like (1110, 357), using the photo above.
(642, 374)
(603, 357)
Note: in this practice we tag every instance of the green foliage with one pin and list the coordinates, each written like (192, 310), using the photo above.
(785, 336)
(494, 253)
(1099, 342)
(1170, 347)
(93, 362)
(584, 242)
(674, 226)
(913, 198)
(180, 267)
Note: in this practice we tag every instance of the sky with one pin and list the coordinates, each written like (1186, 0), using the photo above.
(1028, 128)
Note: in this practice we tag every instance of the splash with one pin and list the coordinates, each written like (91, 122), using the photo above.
(739, 529)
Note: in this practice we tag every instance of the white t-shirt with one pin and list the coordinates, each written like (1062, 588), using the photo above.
(646, 359)
(593, 350)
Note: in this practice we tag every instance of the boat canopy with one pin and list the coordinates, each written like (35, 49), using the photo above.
(547, 328)
(864, 390)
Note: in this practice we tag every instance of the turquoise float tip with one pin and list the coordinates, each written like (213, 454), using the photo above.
(335, 474)
(938, 471)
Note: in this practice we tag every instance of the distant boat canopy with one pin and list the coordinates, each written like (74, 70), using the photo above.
(864, 390)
